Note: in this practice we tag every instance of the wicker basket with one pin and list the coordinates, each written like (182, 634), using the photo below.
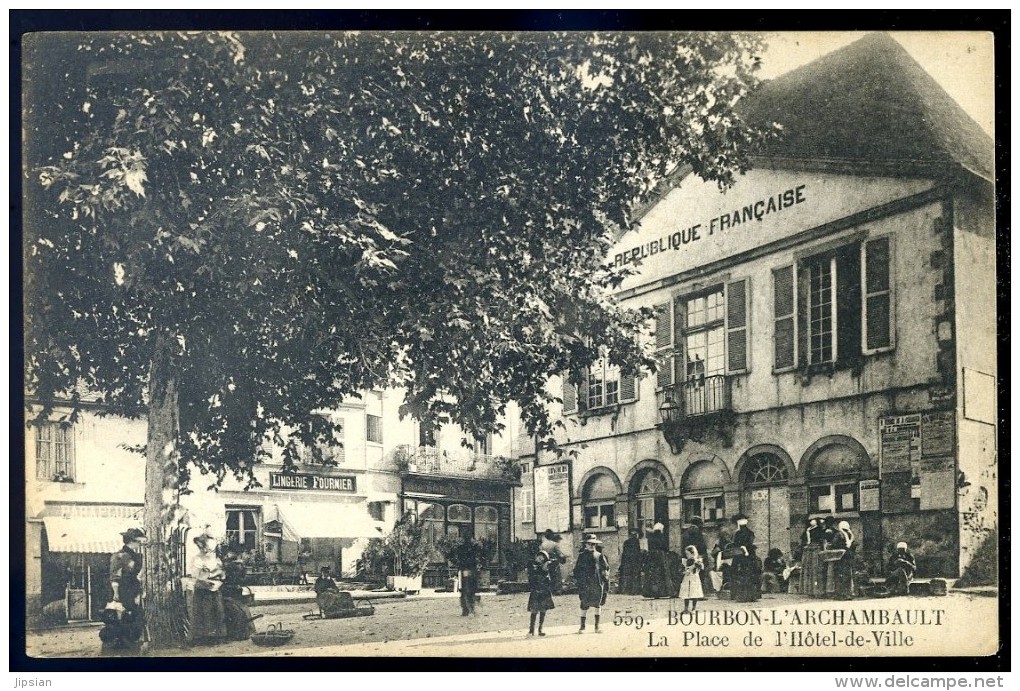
(275, 636)
(831, 554)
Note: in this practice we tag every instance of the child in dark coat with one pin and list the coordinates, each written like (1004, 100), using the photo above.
(540, 583)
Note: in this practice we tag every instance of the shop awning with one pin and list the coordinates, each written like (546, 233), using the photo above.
(308, 520)
(100, 535)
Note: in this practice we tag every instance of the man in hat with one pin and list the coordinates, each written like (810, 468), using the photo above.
(551, 545)
(125, 622)
(591, 574)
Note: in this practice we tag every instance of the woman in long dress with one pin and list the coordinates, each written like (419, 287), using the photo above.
(657, 581)
(207, 617)
(746, 565)
(690, 588)
(812, 574)
(843, 570)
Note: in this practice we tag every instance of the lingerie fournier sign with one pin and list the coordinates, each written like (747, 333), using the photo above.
(305, 481)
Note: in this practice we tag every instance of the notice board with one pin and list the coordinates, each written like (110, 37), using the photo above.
(552, 498)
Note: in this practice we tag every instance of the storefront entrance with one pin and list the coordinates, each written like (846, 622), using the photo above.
(649, 504)
(766, 501)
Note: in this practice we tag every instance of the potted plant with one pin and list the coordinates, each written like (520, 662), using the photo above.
(410, 550)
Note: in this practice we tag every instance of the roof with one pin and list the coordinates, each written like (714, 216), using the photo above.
(870, 102)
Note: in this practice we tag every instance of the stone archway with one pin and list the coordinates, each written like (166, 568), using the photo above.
(763, 473)
(649, 485)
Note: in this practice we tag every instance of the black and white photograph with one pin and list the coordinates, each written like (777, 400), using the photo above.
(510, 344)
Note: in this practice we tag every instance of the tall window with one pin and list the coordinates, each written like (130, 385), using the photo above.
(842, 306)
(54, 451)
(483, 445)
(243, 528)
(426, 434)
(705, 336)
(487, 528)
(821, 309)
(603, 387)
(373, 428)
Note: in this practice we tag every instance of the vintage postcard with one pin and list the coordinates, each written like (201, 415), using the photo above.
(794, 233)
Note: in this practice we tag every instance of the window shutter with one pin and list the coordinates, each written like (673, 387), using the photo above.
(663, 345)
(736, 327)
(785, 318)
(876, 258)
(569, 395)
(803, 279)
(628, 389)
(679, 323)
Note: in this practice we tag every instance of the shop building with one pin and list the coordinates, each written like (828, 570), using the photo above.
(825, 332)
(85, 485)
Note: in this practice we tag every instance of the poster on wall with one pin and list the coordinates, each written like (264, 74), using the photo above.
(938, 436)
(552, 498)
(899, 443)
(869, 491)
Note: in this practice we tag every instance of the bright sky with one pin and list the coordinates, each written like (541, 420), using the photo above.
(961, 61)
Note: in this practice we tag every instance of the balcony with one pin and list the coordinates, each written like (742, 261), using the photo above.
(429, 460)
(701, 396)
(698, 409)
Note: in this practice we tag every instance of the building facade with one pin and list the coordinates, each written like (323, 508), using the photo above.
(825, 334)
(85, 484)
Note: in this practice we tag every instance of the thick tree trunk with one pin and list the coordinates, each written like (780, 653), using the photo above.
(164, 611)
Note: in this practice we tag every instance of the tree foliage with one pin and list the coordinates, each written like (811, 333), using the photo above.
(290, 218)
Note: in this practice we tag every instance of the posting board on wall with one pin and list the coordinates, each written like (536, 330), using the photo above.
(938, 434)
(899, 444)
(869, 491)
(552, 498)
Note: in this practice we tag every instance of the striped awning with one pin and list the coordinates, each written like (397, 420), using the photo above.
(95, 535)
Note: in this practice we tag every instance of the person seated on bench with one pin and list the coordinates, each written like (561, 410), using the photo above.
(900, 570)
(327, 594)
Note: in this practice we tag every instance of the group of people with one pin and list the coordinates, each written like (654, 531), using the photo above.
(591, 576)
(649, 568)
(214, 595)
(826, 559)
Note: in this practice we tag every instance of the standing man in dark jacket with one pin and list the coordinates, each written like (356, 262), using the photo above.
(591, 573)
(467, 565)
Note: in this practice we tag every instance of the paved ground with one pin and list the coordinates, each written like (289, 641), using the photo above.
(960, 624)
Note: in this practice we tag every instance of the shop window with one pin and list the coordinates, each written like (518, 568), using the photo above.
(243, 528)
(833, 307)
(54, 451)
(708, 508)
(373, 428)
(702, 490)
(599, 497)
(458, 518)
(487, 528)
(838, 497)
(433, 522)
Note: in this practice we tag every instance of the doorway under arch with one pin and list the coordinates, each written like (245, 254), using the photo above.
(649, 503)
(765, 496)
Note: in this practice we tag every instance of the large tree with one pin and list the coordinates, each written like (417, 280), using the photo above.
(233, 231)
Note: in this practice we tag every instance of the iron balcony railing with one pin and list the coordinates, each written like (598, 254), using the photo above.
(701, 395)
